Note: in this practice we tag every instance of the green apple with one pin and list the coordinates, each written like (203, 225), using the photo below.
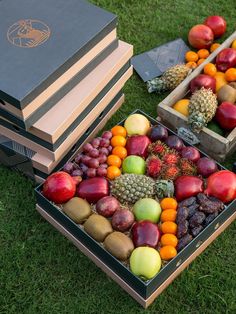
(147, 209)
(134, 164)
(145, 262)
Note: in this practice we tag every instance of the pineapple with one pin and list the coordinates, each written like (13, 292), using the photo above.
(202, 108)
(129, 188)
(169, 80)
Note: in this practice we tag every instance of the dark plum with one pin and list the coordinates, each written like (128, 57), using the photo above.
(158, 132)
(175, 142)
(190, 153)
(206, 166)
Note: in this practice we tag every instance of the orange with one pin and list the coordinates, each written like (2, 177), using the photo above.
(167, 252)
(168, 215)
(169, 227)
(230, 75)
(118, 140)
(168, 203)
(118, 130)
(220, 80)
(169, 239)
(191, 56)
(120, 151)
(214, 46)
(203, 53)
(191, 64)
(182, 106)
(233, 44)
(113, 172)
(114, 160)
(200, 61)
(210, 69)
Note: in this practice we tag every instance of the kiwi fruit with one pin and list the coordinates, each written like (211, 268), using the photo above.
(98, 227)
(119, 245)
(232, 84)
(226, 93)
(77, 209)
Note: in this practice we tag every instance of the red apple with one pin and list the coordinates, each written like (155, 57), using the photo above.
(107, 206)
(226, 59)
(122, 220)
(145, 233)
(226, 115)
(138, 145)
(200, 36)
(217, 24)
(93, 189)
(203, 80)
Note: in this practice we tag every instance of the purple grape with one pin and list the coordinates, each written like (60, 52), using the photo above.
(85, 159)
(87, 147)
(101, 172)
(78, 158)
(68, 167)
(77, 172)
(91, 172)
(94, 153)
(102, 159)
(93, 163)
(110, 148)
(107, 135)
(103, 166)
(104, 142)
(95, 142)
(83, 167)
(103, 151)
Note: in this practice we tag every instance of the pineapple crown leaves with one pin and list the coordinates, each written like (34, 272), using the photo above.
(156, 85)
(164, 188)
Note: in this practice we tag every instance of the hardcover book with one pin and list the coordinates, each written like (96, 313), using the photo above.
(40, 40)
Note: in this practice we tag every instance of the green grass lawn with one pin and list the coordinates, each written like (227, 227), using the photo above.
(42, 272)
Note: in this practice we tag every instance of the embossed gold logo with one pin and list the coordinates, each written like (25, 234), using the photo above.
(28, 33)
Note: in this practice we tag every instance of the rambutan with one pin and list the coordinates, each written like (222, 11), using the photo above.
(158, 148)
(170, 172)
(153, 166)
(187, 167)
(171, 158)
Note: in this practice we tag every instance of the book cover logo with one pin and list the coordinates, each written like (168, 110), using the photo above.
(28, 33)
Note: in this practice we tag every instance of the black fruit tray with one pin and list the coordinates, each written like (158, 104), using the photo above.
(144, 289)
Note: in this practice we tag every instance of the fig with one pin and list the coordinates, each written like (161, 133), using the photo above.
(119, 245)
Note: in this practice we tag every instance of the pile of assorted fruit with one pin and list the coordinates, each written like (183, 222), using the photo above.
(141, 193)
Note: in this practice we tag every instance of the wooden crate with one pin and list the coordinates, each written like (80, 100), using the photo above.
(213, 144)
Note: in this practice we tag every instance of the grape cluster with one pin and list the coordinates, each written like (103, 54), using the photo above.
(91, 162)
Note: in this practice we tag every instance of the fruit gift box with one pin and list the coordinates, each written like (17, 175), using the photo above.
(140, 202)
(202, 108)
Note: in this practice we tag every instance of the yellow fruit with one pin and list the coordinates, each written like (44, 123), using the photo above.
(167, 252)
(191, 56)
(169, 239)
(233, 44)
(214, 47)
(220, 80)
(210, 69)
(168, 203)
(113, 160)
(191, 65)
(182, 106)
(203, 53)
(113, 172)
(169, 227)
